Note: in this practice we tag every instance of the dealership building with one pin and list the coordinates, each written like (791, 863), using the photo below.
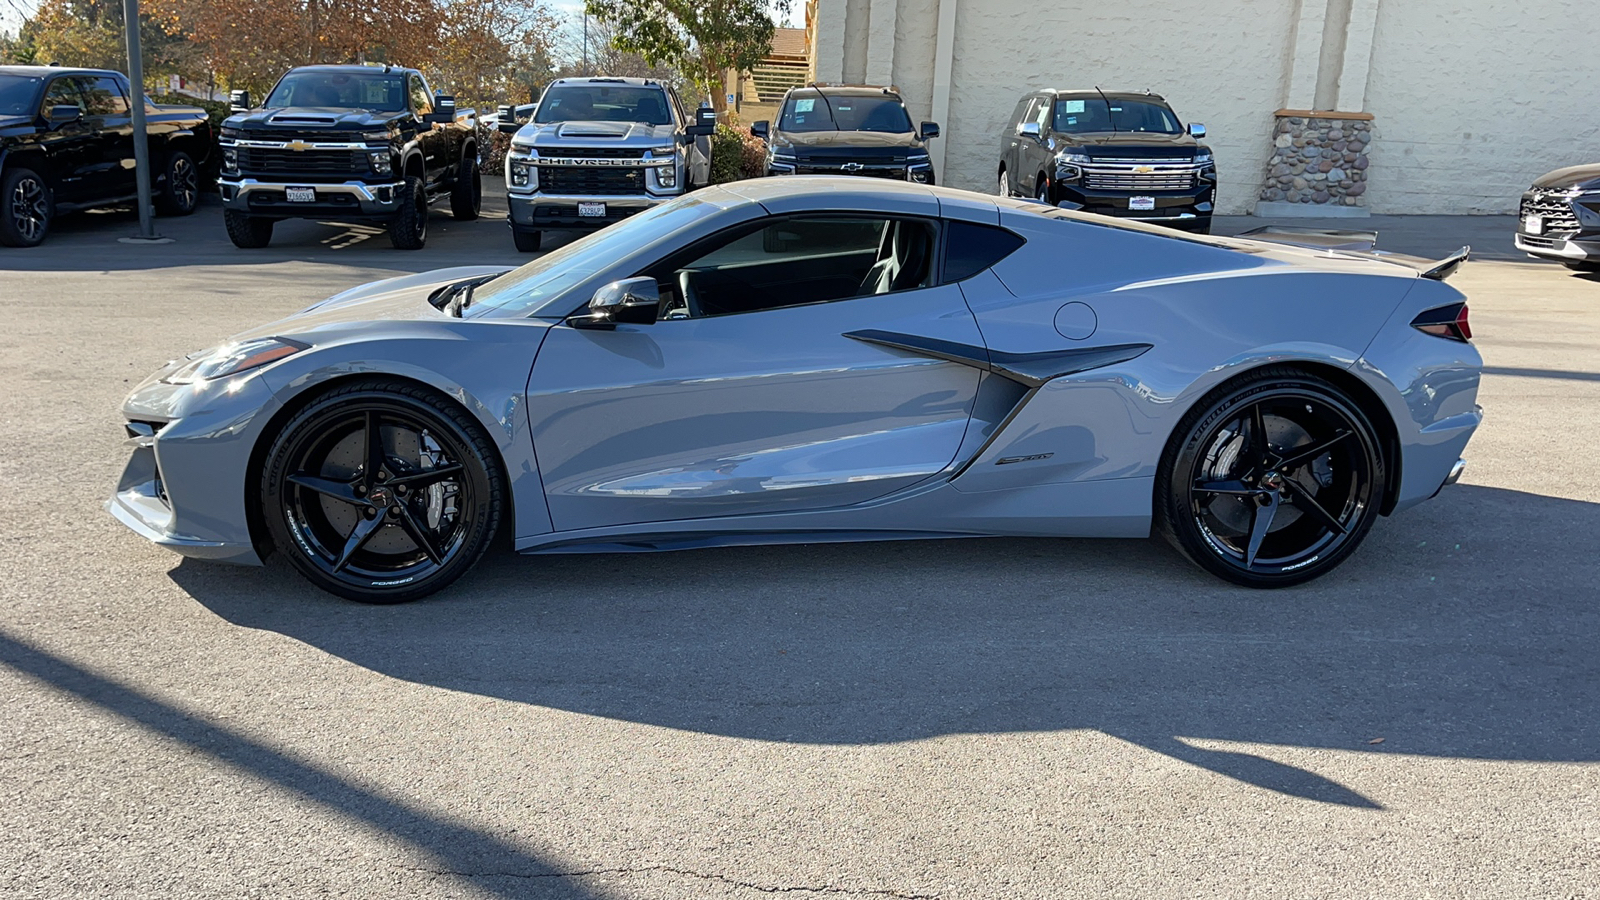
(1418, 106)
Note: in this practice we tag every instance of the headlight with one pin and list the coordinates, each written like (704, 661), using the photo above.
(375, 137)
(381, 163)
(230, 159)
(781, 159)
(228, 133)
(231, 359)
(1202, 158)
(667, 176)
(1072, 157)
(520, 173)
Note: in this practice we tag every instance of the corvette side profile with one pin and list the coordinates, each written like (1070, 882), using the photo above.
(817, 359)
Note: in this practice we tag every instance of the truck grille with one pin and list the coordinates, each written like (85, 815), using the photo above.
(879, 170)
(1125, 179)
(1559, 217)
(257, 160)
(310, 137)
(585, 181)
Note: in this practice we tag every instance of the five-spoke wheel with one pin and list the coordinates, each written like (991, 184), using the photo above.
(1274, 482)
(381, 492)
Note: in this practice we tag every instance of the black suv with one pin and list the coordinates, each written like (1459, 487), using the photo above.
(1559, 218)
(351, 142)
(66, 142)
(842, 130)
(1112, 153)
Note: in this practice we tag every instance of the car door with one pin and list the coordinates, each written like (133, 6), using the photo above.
(432, 137)
(697, 150)
(1012, 142)
(1033, 153)
(749, 397)
(111, 118)
(70, 147)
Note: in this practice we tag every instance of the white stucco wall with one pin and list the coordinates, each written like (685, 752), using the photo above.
(1474, 99)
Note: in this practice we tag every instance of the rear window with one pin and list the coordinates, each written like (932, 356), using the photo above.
(603, 103)
(970, 248)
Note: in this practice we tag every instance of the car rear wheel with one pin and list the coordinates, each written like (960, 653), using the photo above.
(1042, 193)
(1004, 188)
(466, 197)
(26, 208)
(382, 492)
(180, 193)
(527, 241)
(408, 230)
(247, 231)
(1271, 482)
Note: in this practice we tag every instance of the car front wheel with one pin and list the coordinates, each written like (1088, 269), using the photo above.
(1272, 481)
(382, 492)
(26, 208)
(527, 241)
(466, 197)
(180, 193)
(408, 230)
(246, 231)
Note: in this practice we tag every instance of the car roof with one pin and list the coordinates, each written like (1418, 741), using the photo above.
(847, 90)
(605, 79)
(352, 67)
(41, 71)
(1076, 93)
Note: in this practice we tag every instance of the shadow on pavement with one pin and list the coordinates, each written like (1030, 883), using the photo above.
(1465, 628)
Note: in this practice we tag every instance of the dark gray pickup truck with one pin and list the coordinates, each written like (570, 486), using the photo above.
(353, 142)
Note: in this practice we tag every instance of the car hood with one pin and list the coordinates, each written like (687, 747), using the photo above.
(1571, 176)
(404, 298)
(850, 140)
(303, 118)
(591, 134)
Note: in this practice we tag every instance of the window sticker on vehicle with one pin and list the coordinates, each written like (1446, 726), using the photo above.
(804, 105)
(1072, 120)
(1072, 106)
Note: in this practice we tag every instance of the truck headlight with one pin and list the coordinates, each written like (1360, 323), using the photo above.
(667, 176)
(381, 163)
(230, 159)
(520, 173)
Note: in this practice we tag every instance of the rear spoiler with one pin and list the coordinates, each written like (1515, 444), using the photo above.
(1356, 243)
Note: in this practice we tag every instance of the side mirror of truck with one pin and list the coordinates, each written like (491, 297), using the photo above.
(62, 113)
(705, 122)
(762, 129)
(930, 130)
(1029, 129)
(1196, 129)
(444, 110)
(239, 101)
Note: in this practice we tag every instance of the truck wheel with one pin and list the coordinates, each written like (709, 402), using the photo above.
(527, 241)
(247, 231)
(26, 208)
(408, 230)
(466, 198)
(181, 192)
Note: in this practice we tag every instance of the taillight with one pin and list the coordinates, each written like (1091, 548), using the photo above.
(1445, 321)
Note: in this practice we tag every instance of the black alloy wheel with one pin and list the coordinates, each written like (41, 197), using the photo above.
(466, 196)
(26, 208)
(382, 492)
(180, 195)
(1274, 483)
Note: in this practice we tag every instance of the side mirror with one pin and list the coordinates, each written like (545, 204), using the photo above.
(444, 110)
(1030, 129)
(239, 101)
(762, 129)
(62, 113)
(930, 130)
(631, 301)
(1196, 129)
(705, 122)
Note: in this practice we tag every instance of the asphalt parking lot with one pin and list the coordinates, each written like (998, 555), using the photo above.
(964, 719)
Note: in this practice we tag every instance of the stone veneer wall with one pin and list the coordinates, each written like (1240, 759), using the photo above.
(1318, 161)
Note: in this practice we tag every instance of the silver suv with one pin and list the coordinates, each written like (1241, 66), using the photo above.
(599, 150)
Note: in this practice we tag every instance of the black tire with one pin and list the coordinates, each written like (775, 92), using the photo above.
(180, 190)
(527, 241)
(1244, 452)
(27, 208)
(1042, 191)
(466, 197)
(386, 531)
(408, 230)
(247, 231)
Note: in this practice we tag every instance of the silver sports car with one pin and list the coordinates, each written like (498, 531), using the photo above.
(815, 359)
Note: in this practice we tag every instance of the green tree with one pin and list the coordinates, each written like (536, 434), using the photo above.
(700, 38)
(91, 33)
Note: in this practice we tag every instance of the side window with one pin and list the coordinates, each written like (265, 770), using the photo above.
(105, 97)
(969, 248)
(62, 92)
(677, 107)
(1018, 113)
(421, 100)
(1041, 113)
(798, 261)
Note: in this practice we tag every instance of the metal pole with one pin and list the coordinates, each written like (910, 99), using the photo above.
(141, 138)
(586, 43)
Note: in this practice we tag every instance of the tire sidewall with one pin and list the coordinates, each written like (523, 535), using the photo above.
(409, 228)
(9, 235)
(170, 197)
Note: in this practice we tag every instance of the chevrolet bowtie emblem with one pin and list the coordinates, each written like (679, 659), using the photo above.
(1144, 170)
(297, 145)
(852, 167)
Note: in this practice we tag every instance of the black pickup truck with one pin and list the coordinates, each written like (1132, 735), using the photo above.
(363, 143)
(66, 143)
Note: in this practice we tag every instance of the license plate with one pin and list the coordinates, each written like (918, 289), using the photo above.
(1533, 225)
(1141, 203)
(592, 210)
(300, 195)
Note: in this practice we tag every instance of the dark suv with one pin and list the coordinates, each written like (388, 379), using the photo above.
(1112, 153)
(841, 130)
(1559, 218)
(66, 142)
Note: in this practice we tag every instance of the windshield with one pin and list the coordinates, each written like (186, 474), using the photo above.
(521, 291)
(603, 103)
(374, 91)
(1080, 116)
(18, 95)
(842, 112)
